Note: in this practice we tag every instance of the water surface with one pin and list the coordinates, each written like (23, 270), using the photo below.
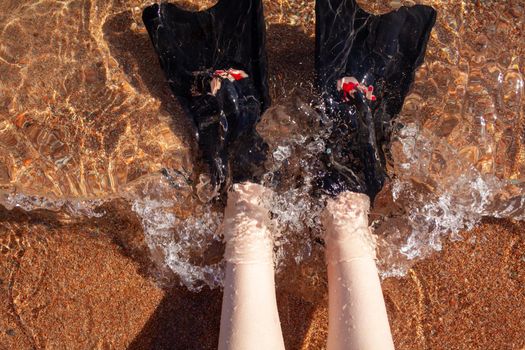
(86, 117)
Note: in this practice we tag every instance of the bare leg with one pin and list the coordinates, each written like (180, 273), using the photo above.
(249, 318)
(357, 317)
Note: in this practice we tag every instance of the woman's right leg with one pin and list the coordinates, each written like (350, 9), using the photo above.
(249, 319)
(357, 317)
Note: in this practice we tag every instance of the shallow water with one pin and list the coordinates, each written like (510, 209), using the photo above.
(86, 116)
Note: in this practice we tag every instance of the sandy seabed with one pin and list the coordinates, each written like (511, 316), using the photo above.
(69, 283)
(84, 286)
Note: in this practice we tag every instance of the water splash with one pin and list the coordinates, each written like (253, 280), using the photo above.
(175, 243)
(438, 201)
(73, 207)
(436, 193)
(181, 233)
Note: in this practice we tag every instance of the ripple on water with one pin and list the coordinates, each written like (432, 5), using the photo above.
(86, 116)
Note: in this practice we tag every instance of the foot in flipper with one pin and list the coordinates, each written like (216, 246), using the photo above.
(365, 65)
(215, 62)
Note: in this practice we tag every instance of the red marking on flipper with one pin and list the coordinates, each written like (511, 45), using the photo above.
(237, 76)
(349, 87)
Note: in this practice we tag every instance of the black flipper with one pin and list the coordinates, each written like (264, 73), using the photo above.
(378, 56)
(224, 44)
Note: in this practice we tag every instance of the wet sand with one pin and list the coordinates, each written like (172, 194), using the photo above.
(81, 286)
(69, 283)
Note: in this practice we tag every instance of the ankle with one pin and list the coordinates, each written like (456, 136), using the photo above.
(347, 235)
(247, 225)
